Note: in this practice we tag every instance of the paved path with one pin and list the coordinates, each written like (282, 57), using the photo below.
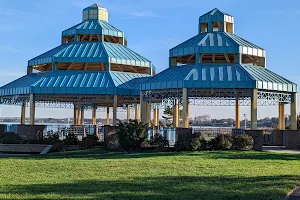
(295, 195)
(280, 149)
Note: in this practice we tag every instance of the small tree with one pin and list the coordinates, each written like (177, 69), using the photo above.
(131, 135)
(168, 112)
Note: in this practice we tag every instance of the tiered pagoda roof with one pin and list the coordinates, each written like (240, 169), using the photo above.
(92, 59)
(217, 58)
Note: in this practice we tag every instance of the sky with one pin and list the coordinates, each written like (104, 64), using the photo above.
(32, 27)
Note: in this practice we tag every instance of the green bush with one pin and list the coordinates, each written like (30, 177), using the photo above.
(51, 139)
(195, 144)
(188, 142)
(221, 142)
(159, 141)
(71, 139)
(244, 142)
(89, 142)
(10, 138)
(131, 135)
(58, 146)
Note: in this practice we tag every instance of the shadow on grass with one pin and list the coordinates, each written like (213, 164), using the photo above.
(103, 154)
(251, 155)
(175, 187)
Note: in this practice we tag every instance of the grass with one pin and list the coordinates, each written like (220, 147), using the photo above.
(97, 174)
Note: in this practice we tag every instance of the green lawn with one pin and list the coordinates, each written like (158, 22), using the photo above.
(97, 174)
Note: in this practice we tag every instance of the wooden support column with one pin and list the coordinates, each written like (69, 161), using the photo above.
(23, 113)
(280, 105)
(237, 114)
(185, 111)
(32, 109)
(148, 113)
(75, 116)
(78, 114)
(107, 116)
(178, 114)
(136, 111)
(128, 113)
(82, 117)
(294, 111)
(143, 109)
(155, 117)
(115, 107)
(254, 110)
(94, 115)
(175, 114)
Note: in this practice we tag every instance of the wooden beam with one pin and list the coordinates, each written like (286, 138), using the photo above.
(191, 57)
(98, 36)
(201, 57)
(133, 69)
(70, 66)
(226, 57)
(86, 66)
(120, 68)
(114, 39)
(91, 37)
(250, 57)
(107, 38)
(214, 58)
(83, 37)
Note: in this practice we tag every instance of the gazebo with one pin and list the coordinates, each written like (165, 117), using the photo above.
(217, 68)
(93, 67)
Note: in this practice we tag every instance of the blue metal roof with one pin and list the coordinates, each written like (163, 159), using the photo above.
(218, 76)
(212, 42)
(214, 15)
(91, 52)
(75, 82)
(94, 27)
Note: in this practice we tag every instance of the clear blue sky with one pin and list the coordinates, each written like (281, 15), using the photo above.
(29, 28)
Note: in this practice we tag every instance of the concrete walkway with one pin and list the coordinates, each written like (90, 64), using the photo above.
(280, 149)
(295, 195)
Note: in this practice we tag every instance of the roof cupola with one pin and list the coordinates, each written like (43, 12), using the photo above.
(216, 21)
(95, 12)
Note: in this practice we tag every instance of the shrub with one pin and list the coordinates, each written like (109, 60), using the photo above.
(71, 139)
(244, 142)
(89, 142)
(159, 141)
(131, 135)
(58, 146)
(52, 139)
(221, 142)
(195, 144)
(10, 138)
(188, 142)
